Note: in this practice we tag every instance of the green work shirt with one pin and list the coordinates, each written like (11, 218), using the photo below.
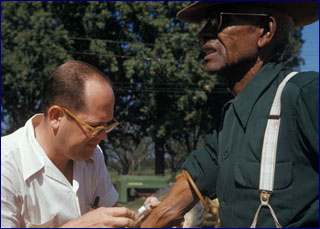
(228, 166)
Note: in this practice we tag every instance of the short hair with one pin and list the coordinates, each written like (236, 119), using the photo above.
(285, 28)
(65, 86)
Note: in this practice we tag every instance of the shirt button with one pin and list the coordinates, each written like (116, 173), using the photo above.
(225, 155)
(222, 204)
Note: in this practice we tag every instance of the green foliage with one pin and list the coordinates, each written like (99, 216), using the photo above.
(163, 95)
(291, 55)
(32, 46)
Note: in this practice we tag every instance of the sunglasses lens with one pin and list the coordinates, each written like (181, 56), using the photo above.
(204, 22)
(214, 22)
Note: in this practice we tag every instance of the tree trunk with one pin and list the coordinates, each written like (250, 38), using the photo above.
(159, 152)
(132, 168)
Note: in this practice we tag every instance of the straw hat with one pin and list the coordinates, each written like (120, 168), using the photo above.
(303, 12)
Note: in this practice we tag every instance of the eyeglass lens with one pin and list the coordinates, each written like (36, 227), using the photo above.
(214, 21)
(107, 129)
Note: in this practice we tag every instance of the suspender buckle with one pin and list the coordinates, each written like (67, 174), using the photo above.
(264, 197)
(270, 116)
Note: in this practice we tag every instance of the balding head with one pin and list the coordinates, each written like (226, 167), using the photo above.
(65, 87)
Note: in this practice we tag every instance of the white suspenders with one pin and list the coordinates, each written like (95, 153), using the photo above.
(269, 153)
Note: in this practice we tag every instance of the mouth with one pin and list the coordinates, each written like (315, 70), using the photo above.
(208, 51)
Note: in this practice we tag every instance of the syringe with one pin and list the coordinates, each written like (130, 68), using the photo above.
(143, 209)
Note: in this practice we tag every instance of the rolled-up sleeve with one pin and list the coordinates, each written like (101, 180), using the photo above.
(203, 166)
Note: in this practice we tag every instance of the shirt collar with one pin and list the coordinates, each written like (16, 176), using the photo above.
(244, 102)
(33, 156)
(30, 149)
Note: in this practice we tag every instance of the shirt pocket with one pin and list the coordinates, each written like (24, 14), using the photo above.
(47, 223)
(247, 175)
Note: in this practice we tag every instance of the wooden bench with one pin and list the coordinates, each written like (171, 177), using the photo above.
(126, 182)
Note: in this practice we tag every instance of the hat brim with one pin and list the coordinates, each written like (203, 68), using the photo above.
(303, 12)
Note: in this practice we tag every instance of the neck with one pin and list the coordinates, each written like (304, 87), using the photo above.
(47, 140)
(238, 78)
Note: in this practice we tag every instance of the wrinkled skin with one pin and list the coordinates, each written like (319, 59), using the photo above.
(236, 52)
(172, 208)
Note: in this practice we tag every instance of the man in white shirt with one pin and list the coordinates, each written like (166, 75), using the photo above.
(52, 169)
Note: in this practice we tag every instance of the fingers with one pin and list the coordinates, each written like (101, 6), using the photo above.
(153, 201)
(104, 217)
(122, 222)
(139, 221)
(121, 212)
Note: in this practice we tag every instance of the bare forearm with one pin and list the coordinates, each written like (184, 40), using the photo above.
(180, 199)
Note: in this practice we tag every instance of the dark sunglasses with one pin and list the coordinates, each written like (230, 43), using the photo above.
(216, 21)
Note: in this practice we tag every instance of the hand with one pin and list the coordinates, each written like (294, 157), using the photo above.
(154, 203)
(172, 208)
(177, 223)
(105, 217)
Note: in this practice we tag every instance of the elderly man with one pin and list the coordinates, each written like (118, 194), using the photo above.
(52, 169)
(264, 174)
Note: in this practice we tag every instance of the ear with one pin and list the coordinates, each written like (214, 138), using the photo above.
(268, 33)
(55, 114)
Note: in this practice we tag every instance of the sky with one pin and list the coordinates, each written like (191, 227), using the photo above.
(310, 49)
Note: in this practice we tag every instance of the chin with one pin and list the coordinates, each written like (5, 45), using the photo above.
(212, 71)
(85, 154)
(212, 68)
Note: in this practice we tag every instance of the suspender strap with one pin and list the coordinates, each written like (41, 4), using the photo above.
(269, 149)
(269, 153)
(264, 199)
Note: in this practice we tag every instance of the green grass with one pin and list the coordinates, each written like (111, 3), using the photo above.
(113, 174)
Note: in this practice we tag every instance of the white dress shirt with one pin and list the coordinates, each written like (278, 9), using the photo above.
(34, 193)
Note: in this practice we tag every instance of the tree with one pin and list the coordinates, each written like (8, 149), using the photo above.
(32, 46)
(163, 95)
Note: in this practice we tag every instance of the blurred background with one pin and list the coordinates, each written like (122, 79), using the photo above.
(165, 101)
